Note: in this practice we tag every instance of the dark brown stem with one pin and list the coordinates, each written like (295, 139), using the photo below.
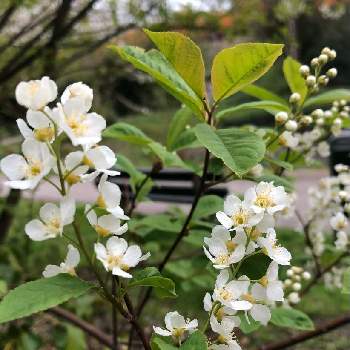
(87, 327)
(323, 328)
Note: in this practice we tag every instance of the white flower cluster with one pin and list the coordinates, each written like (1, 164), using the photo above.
(334, 278)
(43, 130)
(330, 208)
(293, 284)
(247, 228)
(307, 134)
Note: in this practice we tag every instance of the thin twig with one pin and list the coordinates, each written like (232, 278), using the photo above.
(323, 328)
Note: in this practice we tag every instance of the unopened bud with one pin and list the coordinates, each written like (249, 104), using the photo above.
(328, 114)
(311, 81)
(297, 278)
(297, 269)
(337, 122)
(294, 298)
(332, 54)
(294, 98)
(323, 59)
(306, 275)
(323, 80)
(306, 120)
(290, 272)
(317, 113)
(291, 125)
(320, 122)
(297, 286)
(332, 73)
(344, 114)
(314, 62)
(281, 117)
(304, 70)
(288, 282)
(326, 51)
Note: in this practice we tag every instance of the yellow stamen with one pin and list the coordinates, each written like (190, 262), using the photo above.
(44, 134)
(231, 246)
(72, 179)
(264, 281)
(102, 231)
(248, 297)
(87, 161)
(101, 202)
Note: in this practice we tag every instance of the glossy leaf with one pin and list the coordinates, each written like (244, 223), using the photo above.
(263, 94)
(291, 318)
(328, 97)
(236, 67)
(39, 295)
(271, 107)
(293, 77)
(156, 65)
(239, 149)
(208, 205)
(151, 277)
(185, 57)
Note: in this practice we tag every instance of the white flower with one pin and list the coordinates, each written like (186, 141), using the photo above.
(225, 329)
(81, 91)
(82, 128)
(287, 139)
(238, 214)
(273, 287)
(342, 240)
(323, 149)
(339, 222)
(118, 257)
(43, 129)
(176, 327)
(53, 218)
(74, 168)
(100, 159)
(26, 171)
(222, 250)
(68, 266)
(105, 225)
(270, 247)
(36, 94)
(109, 198)
(265, 197)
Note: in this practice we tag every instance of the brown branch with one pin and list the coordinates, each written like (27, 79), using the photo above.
(5, 17)
(87, 327)
(323, 328)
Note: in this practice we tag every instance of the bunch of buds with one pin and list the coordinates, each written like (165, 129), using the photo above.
(334, 278)
(315, 77)
(293, 284)
(329, 212)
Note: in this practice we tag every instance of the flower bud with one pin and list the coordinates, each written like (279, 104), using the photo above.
(294, 98)
(332, 73)
(332, 54)
(323, 80)
(320, 122)
(335, 109)
(281, 117)
(288, 282)
(337, 122)
(306, 275)
(326, 51)
(344, 114)
(296, 286)
(290, 272)
(311, 81)
(317, 113)
(328, 114)
(297, 269)
(304, 70)
(306, 120)
(297, 278)
(291, 125)
(294, 298)
(342, 102)
(323, 59)
(346, 108)
(314, 62)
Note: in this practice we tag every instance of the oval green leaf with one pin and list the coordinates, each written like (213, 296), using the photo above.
(328, 97)
(239, 149)
(291, 318)
(293, 77)
(39, 295)
(236, 67)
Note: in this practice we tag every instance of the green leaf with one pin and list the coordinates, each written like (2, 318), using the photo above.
(39, 295)
(293, 77)
(151, 277)
(75, 338)
(271, 107)
(277, 180)
(208, 205)
(263, 94)
(239, 149)
(177, 126)
(291, 318)
(187, 139)
(236, 67)
(128, 133)
(184, 55)
(279, 163)
(196, 341)
(162, 343)
(162, 222)
(346, 281)
(248, 327)
(328, 97)
(156, 65)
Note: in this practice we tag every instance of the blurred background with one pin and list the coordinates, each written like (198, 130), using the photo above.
(68, 41)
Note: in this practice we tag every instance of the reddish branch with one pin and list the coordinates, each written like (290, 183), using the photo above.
(299, 338)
